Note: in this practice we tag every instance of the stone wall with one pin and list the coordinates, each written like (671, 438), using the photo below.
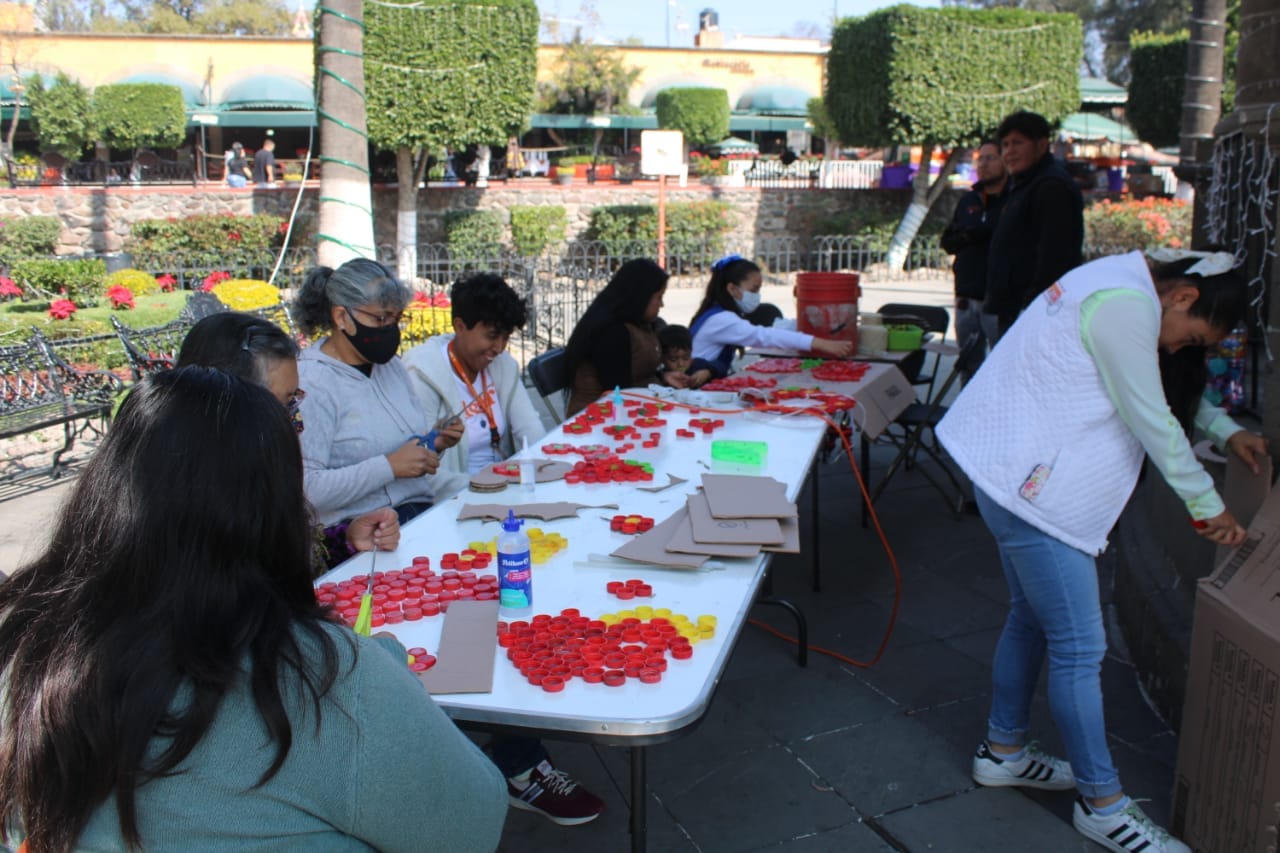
(98, 219)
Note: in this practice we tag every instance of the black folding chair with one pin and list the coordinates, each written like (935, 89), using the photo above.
(549, 378)
(930, 318)
(916, 421)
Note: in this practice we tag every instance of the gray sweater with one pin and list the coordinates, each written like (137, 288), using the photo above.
(386, 769)
(351, 422)
(433, 379)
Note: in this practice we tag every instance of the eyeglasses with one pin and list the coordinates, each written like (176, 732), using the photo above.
(378, 319)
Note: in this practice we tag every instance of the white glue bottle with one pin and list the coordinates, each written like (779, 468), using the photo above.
(515, 567)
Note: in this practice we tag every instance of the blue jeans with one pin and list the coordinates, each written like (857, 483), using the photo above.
(1054, 607)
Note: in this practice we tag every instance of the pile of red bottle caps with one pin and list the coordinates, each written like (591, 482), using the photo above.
(420, 660)
(841, 371)
(705, 425)
(830, 402)
(737, 383)
(621, 432)
(551, 651)
(413, 593)
(776, 365)
(627, 590)
(507, 469)
(631, 524)
(609, 468)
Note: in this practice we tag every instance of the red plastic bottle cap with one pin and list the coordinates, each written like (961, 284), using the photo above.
(506, 640)
(625, 594)
(634, 582)
(593, 674)
(422, 561)
(615, 678)
(650, 676)
(447, 596)
(535, 676)
(644, 590)
(682, 652)
(375, 620)
(646, 524)
(553, 684)
(466, 593)
(657, 662)
(468, 580)
(430, 608)
(433, 586)
(615, 660)
(393, 618)
(629, 528)
(486, 596)
(632, 670)
(612, 587)
(396, 594)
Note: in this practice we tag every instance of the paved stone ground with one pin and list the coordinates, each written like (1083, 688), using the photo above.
(833, 757)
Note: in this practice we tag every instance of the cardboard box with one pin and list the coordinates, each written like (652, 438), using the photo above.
(1226, 796)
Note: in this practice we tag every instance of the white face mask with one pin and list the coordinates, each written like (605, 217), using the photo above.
(749, 302)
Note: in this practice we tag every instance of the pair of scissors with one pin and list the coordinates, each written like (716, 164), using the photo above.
(429, 440)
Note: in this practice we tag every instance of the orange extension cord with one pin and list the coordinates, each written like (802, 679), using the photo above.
(866, 497)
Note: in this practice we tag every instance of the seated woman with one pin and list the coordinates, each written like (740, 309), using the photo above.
(470, 372)
(360, 450)
(720, 326)
(615, 343)
(170, 682)
(259, 351)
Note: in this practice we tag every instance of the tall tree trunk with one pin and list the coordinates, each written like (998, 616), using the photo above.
(346, 202)
(923, 197)
(411, 167)
(1202, 94)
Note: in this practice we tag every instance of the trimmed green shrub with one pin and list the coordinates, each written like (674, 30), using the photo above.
(907, 75)
(473, 234)
(535, 228)
(28, 237)
(210, 240)
(874, 226)
(701, 114)
(140, 115)
(695, 230)
(61, 115)
(80, 280)
(1158, 64)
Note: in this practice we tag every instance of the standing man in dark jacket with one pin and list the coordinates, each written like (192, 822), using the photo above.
(968, 237)
(1041, 229)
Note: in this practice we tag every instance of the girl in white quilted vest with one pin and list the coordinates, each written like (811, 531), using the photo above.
(1104, 367)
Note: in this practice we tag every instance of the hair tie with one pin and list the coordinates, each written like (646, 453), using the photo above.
(725, 261)
(1210, 263)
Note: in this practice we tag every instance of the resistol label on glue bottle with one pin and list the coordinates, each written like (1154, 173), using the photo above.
(515, 568)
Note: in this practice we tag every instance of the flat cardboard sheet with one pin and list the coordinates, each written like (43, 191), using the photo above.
(791, 535)
(464, 661)
(738, 496)
(1243, 492)
(545, 471)
(542, 511)
(651, 548)
(672, 480)
(733, 531)
(682, 542)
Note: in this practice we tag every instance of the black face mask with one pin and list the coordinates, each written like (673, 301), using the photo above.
(376, 344)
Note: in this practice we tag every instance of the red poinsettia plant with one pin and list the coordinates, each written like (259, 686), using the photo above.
(121, 297)
(213, 279)
(436, 300)
(167, 283)
(8, 289)
(62, 309)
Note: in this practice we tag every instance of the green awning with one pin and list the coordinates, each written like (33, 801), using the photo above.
(605, 122)
(1092, 126)
(775, 100)
(767, 124)
(252, 118)
(734, 145)
(1094, 90)
(192, 93)
(268, 92)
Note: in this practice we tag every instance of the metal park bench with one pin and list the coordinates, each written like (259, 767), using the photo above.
(152, 349)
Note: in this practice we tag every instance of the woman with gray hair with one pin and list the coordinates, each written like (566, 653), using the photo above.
(360, 449)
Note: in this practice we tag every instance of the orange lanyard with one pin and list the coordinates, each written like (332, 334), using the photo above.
(482, 399)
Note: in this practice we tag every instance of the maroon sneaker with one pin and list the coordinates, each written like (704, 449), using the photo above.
(554, 795)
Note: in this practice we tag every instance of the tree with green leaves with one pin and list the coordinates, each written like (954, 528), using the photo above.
(226, 17)
(139, 115)
(587, 79)
(445, 73)
(823, 127)
(701, 114)
(946, 78)
(61, 115)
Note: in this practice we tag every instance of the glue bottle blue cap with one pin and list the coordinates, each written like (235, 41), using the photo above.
(511, 524)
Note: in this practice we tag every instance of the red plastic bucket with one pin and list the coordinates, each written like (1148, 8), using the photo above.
(827, 305)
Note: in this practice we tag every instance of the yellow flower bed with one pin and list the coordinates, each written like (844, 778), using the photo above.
(138, 282)
(422, 321)
(246, 294)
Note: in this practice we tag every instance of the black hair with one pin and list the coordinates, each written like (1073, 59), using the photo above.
(675, 337)
(624, 300)
(180, 561)
(733, 269)
(1223, 302)
(356, 282)
(487, 298)
(1029, 124)
(240, 344)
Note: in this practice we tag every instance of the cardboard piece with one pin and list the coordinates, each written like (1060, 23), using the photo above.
(651, 548)
(541, 511)
(737, 496)
(672, 480)
(739, 531)
(1227, 785)
(464, 661)
(546, 471)
(681, 541)
(1243, 492)
(791, 538)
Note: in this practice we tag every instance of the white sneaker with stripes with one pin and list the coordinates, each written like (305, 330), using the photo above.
(1034, 770)
(1127, 831)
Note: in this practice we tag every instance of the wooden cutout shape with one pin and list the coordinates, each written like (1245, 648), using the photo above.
(737, 531)
(541, 511)
(737, 496)
(464, 661)
(651, 548)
